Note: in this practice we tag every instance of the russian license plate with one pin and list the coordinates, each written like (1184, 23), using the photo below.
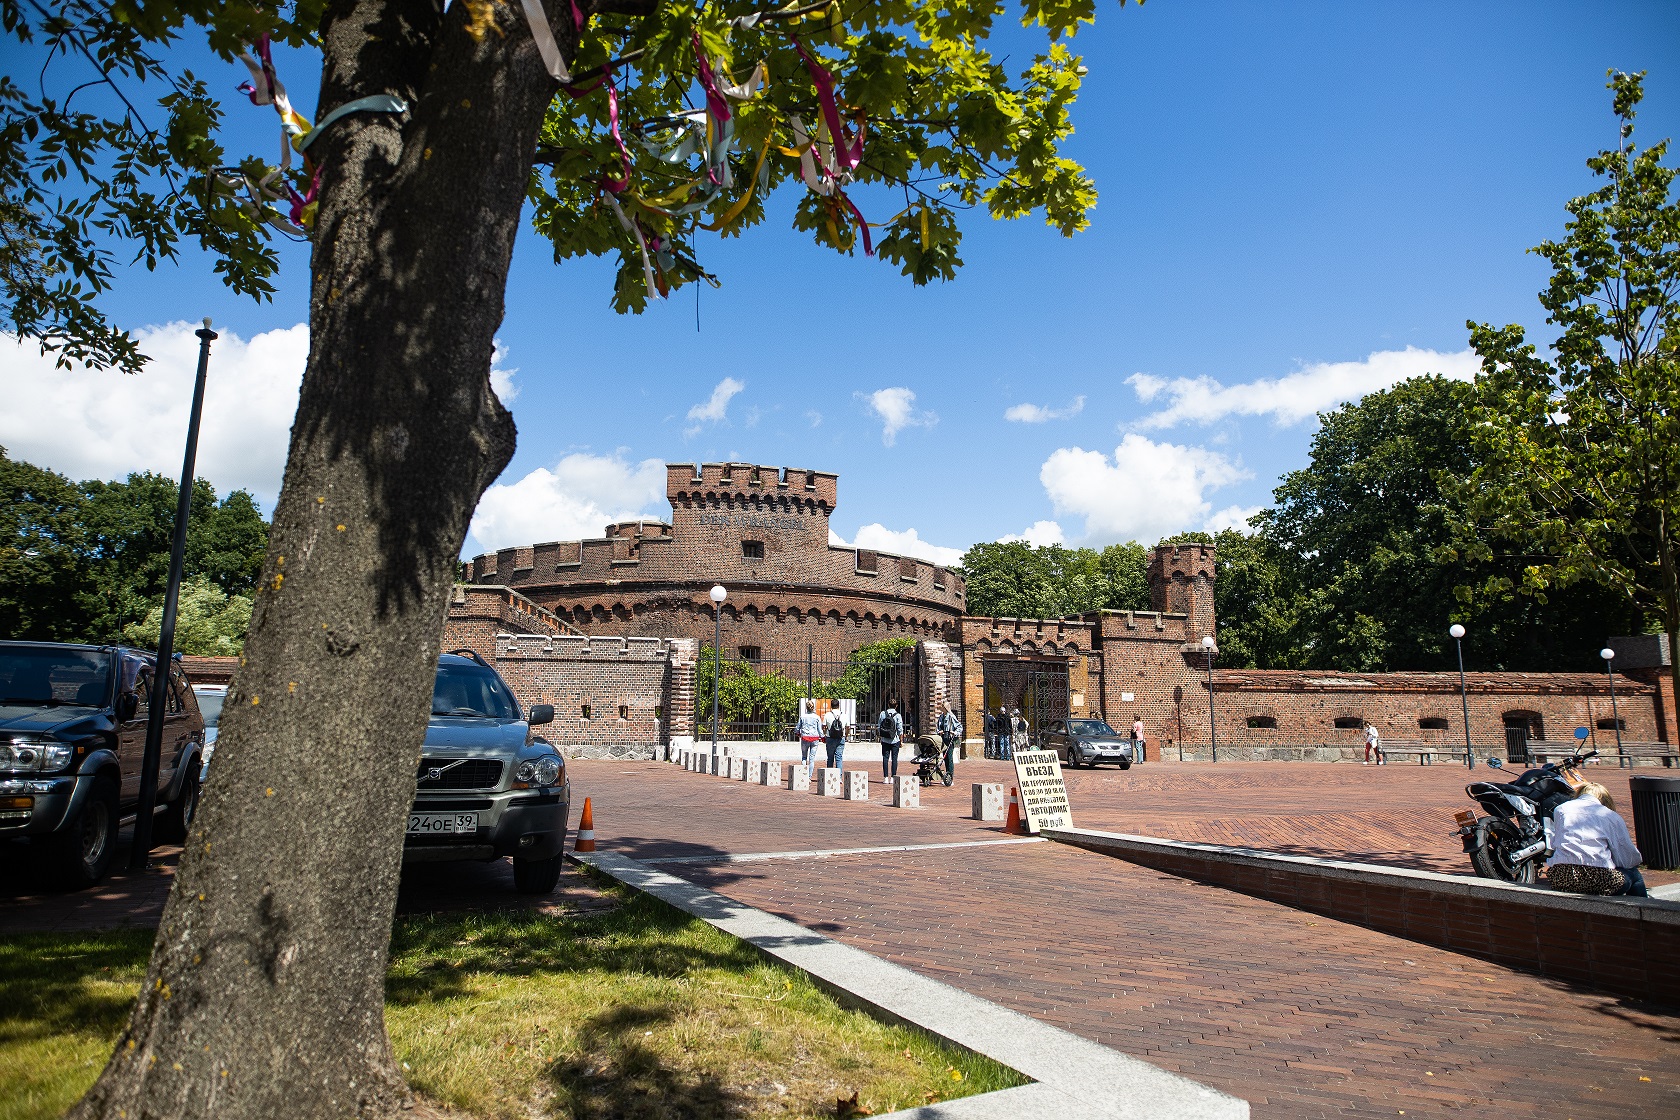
(1465, 819)
(441, 824)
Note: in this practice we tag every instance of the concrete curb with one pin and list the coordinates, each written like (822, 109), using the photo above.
(1077, 1079)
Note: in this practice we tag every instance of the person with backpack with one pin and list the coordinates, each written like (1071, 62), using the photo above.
(836, 739)
(1003, 725)
(950, 732)
(890, 731)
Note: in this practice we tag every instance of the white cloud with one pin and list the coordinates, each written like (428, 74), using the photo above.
(1297, 396)
(1038, 414)
(578, 498)
(897, 409)
(1231, 517)
(501, 379)
(814, 417)
(1148, 490)
(713, 410)
(1039, 534)
(906, 543)
(102, 424)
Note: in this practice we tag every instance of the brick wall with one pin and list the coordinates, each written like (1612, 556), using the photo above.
(1619, 945)
(613, 697)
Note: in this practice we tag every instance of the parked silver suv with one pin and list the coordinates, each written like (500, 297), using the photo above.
(486, 787)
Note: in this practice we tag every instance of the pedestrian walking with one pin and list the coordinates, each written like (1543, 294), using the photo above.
(890, 732)
(1373, 742)
(836, 739)
(950, 732)
(810, 734)
(1140, 752)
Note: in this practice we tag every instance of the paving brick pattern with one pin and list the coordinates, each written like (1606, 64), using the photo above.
(1301, 1015)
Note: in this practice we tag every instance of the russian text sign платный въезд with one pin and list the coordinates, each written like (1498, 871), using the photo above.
(1044, 799)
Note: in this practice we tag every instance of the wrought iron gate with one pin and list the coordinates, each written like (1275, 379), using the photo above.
(1038, 690)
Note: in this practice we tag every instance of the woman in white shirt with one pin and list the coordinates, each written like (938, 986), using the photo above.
(1592, 852)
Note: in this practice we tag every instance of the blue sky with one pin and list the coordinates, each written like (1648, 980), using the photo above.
(1287, 189)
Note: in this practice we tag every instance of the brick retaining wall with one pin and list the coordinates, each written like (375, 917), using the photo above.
(1621, 945)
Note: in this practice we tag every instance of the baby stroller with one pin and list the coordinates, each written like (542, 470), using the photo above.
(930, 761)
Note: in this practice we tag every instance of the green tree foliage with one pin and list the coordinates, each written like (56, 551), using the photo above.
(1582, 453)
(949, 127)
(1371, 564)
(84, 562)
(1013, 579)
(44, 569)
(208, 621)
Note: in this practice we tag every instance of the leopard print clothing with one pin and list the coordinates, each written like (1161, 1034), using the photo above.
(1573, 878)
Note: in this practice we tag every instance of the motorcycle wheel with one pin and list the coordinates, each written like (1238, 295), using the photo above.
(1488, 858)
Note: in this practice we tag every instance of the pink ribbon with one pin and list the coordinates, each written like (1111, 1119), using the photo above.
(848, 152)
(715, 103)
(863, 226)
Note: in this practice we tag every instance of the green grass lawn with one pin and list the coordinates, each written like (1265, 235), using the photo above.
(639, 1012)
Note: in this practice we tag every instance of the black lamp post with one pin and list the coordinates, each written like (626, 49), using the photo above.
(718, 596)
(152, 761)
(1457, 633)
(1615, 716)
(1213, 733)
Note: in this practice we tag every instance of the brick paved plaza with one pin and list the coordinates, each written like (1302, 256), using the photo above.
(1301, 1015)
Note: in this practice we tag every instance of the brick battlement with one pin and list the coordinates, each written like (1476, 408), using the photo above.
(722, 484)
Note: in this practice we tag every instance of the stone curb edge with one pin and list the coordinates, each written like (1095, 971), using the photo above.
(1075, 1078)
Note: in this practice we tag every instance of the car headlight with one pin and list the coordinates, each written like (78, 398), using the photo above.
(43, 755)
(542, 771)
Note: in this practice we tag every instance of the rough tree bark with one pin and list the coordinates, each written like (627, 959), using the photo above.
(264, 997)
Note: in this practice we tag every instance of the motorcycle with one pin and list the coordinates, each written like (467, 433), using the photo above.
(1514, 840)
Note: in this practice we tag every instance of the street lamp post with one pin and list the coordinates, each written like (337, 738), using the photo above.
(152, 761)
(718, 596)
(1609, 655)
(1213, 733)
(1457, 633)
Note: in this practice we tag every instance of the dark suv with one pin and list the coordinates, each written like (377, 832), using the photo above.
(72, 740)
(486, 787)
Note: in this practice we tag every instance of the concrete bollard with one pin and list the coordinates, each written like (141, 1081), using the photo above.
(907, 792)
(769, 773)
(857, 785)
(799, 777)
(718, 765)
(988, 801)
(741, 768)
(826, 782)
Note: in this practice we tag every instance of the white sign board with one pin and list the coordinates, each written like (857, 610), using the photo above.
(1044, 799)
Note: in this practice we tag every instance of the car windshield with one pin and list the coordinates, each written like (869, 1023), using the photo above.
(49, 676)
(471, 690)
(1089, 727)
(210, 706)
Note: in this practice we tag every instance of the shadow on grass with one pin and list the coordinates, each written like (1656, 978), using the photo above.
(616, 1077)
(56, 983)
(434, 956)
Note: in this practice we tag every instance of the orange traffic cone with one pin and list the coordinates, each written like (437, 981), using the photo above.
(585, 830)
(1012, 823)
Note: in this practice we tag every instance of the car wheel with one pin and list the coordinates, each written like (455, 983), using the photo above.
(172, 825)
(80, 852)
(1072, 759)
(536, 876)
(1125, 764)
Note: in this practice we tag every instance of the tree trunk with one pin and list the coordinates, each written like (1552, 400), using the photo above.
(265, 994)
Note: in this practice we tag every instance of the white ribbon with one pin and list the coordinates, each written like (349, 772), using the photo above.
(546, 46)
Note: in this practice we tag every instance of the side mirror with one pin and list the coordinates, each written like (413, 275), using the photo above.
(1496, 764)
(127, 705)
(540, 713)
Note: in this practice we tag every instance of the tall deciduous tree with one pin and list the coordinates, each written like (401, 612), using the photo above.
(1583, 452)
(264, 994)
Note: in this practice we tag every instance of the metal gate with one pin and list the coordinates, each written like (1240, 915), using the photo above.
(1037, 690)
(758, 699)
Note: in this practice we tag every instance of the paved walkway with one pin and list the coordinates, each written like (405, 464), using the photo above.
(1301, 1015)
